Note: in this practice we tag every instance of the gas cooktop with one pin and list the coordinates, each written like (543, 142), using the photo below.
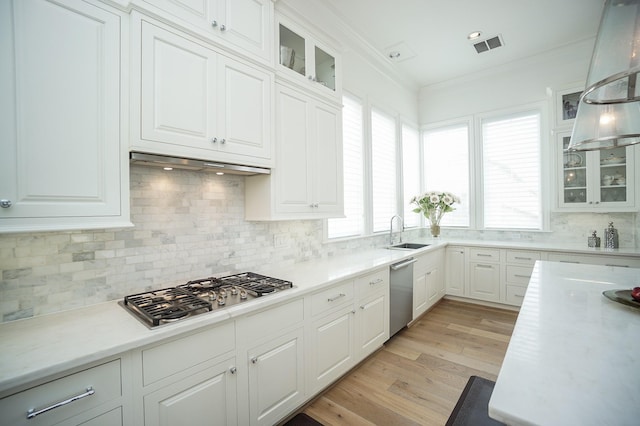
(195, 297)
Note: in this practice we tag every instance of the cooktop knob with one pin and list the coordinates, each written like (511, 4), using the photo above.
(243, 294)
(221, 300)
(222, 292)
(234, 290)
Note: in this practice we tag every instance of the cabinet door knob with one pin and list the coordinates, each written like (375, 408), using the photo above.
(233, 370)
(5, 204)
(223, 27)
(254, 360)
(214, 140)
(214, 24)
(223, 140)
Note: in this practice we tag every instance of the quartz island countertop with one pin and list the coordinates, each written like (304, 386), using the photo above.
(573, 356)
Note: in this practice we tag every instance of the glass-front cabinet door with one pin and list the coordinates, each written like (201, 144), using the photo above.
(595, 180)
(300, 55)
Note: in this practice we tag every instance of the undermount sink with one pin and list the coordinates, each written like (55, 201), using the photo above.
(409, 246)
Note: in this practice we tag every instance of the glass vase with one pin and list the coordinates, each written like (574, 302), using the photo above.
(435, 230)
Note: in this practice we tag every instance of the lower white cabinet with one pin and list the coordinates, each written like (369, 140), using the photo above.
(372, 323)
(93, 396)
(484, 281)
(198, 399)
(428, 281)
(455, 276)
(332, 347)
(276, 378)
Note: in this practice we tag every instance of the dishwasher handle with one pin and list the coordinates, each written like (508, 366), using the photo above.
(403, 264)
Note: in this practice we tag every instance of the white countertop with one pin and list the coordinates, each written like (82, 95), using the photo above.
(574, 355)
(34, 348)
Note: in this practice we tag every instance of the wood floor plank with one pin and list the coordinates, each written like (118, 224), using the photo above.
(417, 377)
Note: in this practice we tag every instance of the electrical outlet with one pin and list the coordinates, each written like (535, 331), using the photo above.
(280, 241)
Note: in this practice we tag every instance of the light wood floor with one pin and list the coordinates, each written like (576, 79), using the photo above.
(417, 378)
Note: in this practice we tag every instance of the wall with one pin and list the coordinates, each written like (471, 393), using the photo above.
(520, 83)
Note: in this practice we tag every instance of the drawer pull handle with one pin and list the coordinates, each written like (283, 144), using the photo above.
(522, 276)
(33, 413)
(485, 266)
(522, 258)
(378, 281)
(334, 298)
(569, 261)
(484, 255)
(254, 360)
(619, 266)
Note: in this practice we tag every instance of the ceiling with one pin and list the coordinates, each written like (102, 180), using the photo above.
(435, 31)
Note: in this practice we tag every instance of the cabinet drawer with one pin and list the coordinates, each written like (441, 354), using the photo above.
(372, 283)
(257, 326)
(169, 358)
(515, 294)
(523, 257)
(104, 380)
(333, 297)
(519, 275)
(484, 255)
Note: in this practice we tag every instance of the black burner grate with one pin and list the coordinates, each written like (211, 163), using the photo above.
(166, 305)
(255, 284)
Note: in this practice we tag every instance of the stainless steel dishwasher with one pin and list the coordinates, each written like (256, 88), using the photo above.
(401, 295)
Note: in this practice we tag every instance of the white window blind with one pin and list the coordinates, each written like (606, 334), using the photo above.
(352, 131)
(446, 168)
(383, 173)
(410, 173)
(511, 172)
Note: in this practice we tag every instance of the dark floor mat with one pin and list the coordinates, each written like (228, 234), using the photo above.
(301, 419)
(472, 407)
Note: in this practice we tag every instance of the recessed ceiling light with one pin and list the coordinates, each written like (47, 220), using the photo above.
(474, 35)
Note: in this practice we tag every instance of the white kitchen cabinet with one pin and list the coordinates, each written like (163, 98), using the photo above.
(484, 274)
(207, 395)
(272, 372)
(276, 378)
(518, 269)
(98, 393)
(245, 26)
(428, 279)
(303, 58)
(595, 180)
(191, 101)
(63, 157)
(456, 265)
(306, 182)
(606, 260)
(332, 347)
(372, 312)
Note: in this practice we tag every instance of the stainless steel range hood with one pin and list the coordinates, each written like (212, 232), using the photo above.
(193, 164)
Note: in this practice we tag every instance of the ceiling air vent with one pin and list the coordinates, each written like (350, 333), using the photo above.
(488, 44)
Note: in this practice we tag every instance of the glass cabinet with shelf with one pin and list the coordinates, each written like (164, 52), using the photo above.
(595, 180)
(301, 56)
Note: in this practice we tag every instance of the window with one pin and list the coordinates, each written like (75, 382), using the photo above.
(353, 150)
(511, 178)
(410, 173)
(383, 170)
(446, 168)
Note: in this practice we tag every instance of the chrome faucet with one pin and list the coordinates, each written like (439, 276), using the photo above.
(391, 228)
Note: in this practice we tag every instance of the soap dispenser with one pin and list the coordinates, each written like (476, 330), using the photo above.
(611, 236)
(593, 240)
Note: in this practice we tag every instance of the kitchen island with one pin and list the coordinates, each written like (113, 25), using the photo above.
(573, 356)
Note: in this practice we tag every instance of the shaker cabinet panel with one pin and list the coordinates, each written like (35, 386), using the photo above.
(61, 159)
(484, 281)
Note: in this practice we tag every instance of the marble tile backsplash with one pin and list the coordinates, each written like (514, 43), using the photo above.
(191, 225)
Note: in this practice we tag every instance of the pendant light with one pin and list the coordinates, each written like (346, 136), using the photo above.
(608, 114)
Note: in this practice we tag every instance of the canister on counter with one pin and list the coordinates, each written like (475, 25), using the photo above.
(593, 240)
(611, 236)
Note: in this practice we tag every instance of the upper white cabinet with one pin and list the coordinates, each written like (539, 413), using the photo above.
(303, 58)
(242, 25)
(189, 100)
(306, 182)
(63, 162)
(595, 180)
